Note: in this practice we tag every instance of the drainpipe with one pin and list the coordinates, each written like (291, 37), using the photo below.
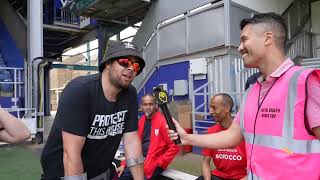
(35, 57)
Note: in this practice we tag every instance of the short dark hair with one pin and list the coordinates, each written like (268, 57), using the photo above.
(274, 21)
(148, 95)
(227, 100)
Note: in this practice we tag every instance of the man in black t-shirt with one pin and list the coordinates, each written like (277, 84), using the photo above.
(94, 112)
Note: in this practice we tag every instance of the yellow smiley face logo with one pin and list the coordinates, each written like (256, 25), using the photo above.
(163, 97)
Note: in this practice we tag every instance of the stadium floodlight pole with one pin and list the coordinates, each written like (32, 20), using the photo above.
(162, 100)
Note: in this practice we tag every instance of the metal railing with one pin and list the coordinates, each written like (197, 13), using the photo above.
(204, 92)
(242, 74)
(300, 45)
(16, 82)
(27, 116)
(56, 92)
(200, 110)
(316, 44)
(311, 62)
(64, 16)
(14, 77)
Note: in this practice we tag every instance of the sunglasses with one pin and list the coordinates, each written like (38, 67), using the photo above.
(126, 62)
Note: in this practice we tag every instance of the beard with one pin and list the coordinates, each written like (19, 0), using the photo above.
(116, 80)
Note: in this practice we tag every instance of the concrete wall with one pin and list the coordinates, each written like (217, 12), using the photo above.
(266, 5)
(315, 14)
(161, 10)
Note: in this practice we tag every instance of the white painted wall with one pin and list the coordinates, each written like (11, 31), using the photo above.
(262, 6)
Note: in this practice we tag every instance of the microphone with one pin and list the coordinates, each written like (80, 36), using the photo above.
(162, 100)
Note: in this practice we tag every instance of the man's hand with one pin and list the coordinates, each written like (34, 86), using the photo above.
(120, 170)
(180, 131)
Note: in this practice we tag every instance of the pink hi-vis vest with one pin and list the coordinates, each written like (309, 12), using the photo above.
(278, 145)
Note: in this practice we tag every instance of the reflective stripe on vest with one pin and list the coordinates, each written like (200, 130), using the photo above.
(243, 103)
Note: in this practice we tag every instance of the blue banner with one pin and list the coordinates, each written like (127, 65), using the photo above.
(59, 4)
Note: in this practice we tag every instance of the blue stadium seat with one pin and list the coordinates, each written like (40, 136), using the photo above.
(7, 87)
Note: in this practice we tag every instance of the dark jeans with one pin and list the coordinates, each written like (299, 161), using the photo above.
(213, 177)
(126, 175)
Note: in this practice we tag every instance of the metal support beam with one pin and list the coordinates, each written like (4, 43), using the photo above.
(35, 58)
(103, 39)
(88, 53)
(227, 21)
(74, 67)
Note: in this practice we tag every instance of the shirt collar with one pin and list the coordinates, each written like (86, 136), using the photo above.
(285, 66)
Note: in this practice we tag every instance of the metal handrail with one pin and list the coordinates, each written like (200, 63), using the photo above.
(241, 73)
(201, 87)
(7, 68)
(16, 81)
(66, 17)
(18, 110)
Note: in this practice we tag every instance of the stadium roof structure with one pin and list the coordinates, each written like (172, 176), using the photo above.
(116, 15)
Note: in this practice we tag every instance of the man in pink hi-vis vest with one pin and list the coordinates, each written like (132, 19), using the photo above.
(279, 117)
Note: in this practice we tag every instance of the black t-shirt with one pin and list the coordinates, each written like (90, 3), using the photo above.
(146, 137)
(84, 111)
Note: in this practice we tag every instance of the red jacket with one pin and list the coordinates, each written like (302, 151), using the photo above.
(161, 149)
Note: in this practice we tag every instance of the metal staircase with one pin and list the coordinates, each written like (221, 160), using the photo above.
(201, 96)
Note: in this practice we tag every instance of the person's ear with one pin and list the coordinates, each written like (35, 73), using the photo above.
(226, 108)
(269, 38)
(107, 66)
